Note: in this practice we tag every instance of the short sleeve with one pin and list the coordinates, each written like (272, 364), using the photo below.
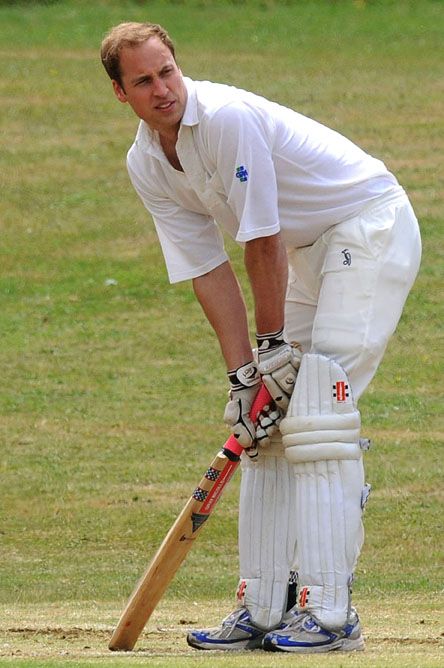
(240, 139)
(191, 243)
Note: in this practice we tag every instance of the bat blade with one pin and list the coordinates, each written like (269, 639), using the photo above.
(180, 539)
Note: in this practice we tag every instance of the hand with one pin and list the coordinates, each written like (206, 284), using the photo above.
(268, 422)
(278, 365)
(244, 385)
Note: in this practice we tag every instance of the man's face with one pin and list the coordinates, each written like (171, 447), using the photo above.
(152, 85)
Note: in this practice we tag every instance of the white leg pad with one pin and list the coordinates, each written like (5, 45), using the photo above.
(266, 537)
(321, 438)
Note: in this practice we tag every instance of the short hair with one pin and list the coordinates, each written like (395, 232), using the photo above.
(125, 35)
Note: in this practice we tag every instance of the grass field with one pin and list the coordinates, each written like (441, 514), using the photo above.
(112, 383)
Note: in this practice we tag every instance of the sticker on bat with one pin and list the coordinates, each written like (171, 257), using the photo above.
(198, 519)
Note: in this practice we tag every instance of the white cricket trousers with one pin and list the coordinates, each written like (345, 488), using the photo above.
(346, 292)
(345, 296)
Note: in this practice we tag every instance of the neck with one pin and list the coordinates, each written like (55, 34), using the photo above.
(169, 136)
(168, 143)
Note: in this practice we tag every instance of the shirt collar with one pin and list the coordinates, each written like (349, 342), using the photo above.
(148, 139)
(190, 116)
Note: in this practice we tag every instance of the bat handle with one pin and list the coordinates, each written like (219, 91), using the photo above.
(232, 449)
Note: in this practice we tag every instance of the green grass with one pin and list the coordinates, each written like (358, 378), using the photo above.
(112, 394)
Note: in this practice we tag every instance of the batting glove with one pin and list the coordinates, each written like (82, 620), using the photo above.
(268, 422)
(244, 385)
(278, 365)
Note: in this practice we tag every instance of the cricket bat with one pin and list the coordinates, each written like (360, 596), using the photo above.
(180, 539)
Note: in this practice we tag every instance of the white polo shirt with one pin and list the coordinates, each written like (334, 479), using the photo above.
(251, 167)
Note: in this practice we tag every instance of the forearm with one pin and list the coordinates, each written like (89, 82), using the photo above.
(221, 298)
(267, 268)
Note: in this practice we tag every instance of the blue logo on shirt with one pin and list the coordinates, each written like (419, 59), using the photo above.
(241, 174)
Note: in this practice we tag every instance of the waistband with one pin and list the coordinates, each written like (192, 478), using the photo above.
(395, 195)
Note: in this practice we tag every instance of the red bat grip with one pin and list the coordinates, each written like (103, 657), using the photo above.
(263, 397)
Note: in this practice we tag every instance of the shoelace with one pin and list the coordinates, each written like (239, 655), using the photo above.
(233, 618)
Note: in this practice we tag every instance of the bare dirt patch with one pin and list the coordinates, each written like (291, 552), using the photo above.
(410, 630)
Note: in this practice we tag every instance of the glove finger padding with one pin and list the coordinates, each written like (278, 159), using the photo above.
(268, 423)
(278, 365)
(245, 383)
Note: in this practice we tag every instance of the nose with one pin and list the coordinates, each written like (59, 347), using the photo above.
(159, 87)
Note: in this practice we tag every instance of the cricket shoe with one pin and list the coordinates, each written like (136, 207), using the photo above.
(304, 635)
(237, 632)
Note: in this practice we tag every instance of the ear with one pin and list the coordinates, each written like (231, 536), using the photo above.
(119, 92)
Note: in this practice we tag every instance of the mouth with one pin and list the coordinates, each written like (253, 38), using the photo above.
(166, 106)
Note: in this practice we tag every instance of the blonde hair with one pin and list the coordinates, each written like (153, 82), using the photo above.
(129, 35)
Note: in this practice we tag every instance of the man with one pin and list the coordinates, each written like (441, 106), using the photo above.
(331, 248)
